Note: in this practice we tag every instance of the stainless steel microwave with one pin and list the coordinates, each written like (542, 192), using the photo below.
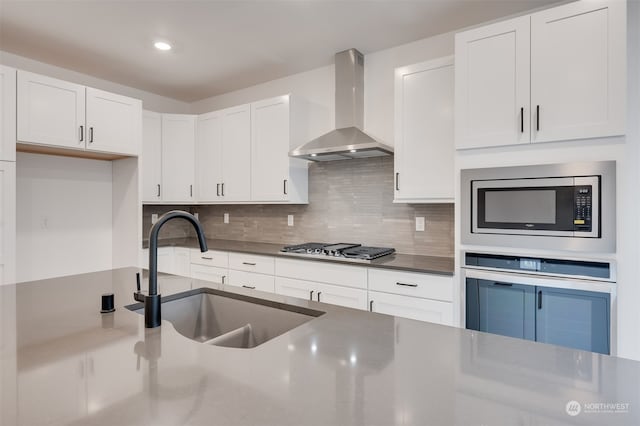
(562, 206)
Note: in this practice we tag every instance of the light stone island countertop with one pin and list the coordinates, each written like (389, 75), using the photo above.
(405, 262)
(62, 362)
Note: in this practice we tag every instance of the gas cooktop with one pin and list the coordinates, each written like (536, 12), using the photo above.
(347, 251)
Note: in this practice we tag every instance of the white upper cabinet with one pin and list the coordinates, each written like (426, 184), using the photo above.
(578, 70)
(270, 149)
(558, 74)
(151, 158)
(113, 122)
(178, 156)
(65, 115)
(7, 114)
(50, 111)
(424, 146)
(274, 175)
(492, 85)
(209, 157)
(236, 154)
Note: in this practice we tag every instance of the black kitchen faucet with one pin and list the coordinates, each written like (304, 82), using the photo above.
(152, 316)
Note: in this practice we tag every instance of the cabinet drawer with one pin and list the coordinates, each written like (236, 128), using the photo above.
(438, 287)
(209, 273)
(412, 307)
(320, 292)
(251, 263)
(325, 272)
(219, 259)
(250, 280)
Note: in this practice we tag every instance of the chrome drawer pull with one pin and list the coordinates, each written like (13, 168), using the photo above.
(248, 286)
(249, 263)
(407, 285)
(206, 257)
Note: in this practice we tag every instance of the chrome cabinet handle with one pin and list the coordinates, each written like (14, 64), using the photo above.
(397, 181)
(81, 133)
(371, 306)
(206, 257)
(522, 120)
(407, 284)
(158, 190)
(539, 299)
(223, 277)
(285, 187)
(319, 293)
(90, 134)
(222, 191)
(249, 287)
(311, 295)
(217, 189)
(190, 190)
(538, 118)
(249, 263)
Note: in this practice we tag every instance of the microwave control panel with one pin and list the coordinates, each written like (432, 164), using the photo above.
(583, 208)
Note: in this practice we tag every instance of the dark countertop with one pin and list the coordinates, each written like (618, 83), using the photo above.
(62, 362)
(405, 262)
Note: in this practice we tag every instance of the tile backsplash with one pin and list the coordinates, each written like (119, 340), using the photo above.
(349, 201)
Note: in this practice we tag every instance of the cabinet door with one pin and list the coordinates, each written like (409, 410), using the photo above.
(236, 153)
(113, 122)
(411, 307)
(7, 222)
(182, 261)
(342, 296)
(493, 85)
(504, 308)
(151, 158)
(296, 288)
(7, 114)
(209, 273)
(270, 149)
(209, 157)
(573, 318)
(178, 156)
(50, 111)
(424, 132)
(578, 70)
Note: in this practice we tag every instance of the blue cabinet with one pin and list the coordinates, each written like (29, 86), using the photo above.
(503, 308)
(572, 318)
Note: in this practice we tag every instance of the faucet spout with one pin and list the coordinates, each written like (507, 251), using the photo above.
(152, 301)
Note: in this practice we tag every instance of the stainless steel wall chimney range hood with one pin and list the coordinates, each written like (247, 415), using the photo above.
(348, 141)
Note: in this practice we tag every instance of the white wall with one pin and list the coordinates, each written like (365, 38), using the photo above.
(64, 220)
(313, 91)
(149, 100)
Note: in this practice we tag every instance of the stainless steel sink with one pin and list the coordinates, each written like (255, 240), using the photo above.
(228, 319)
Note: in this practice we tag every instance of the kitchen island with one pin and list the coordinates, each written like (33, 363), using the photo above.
(63, 362)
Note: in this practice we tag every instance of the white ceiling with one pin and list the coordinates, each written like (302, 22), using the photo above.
(221, 46)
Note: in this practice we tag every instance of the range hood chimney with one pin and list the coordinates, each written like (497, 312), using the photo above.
(348, 141)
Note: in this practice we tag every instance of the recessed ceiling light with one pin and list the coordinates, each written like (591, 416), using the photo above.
(161, 45)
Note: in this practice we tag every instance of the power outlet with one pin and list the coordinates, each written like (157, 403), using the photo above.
(226, 218)
(154, 218)
(290, 220)
(419, 224)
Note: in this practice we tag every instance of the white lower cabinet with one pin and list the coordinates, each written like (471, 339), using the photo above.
(171, 260)
(411, 307)
(209, 273)
(252, 280)
(320, 292)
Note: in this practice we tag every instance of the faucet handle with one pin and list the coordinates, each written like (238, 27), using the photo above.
(138, 281)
